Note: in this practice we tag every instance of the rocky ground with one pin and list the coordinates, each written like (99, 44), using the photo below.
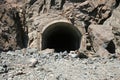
(30, 64)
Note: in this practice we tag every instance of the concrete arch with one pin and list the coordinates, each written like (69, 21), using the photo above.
(53, 22)
(61, 35)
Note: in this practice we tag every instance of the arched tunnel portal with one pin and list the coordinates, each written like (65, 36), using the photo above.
(61, 36)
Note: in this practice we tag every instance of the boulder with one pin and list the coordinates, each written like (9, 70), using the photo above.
(101, 37)
(114, 21)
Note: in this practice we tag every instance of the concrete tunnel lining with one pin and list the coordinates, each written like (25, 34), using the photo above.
(61, 36)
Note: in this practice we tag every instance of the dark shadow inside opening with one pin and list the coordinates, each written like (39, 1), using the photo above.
(61, 37)
(111, 47)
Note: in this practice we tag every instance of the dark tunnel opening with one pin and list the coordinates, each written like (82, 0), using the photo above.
(61, 36)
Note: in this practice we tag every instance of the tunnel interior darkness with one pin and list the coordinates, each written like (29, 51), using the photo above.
(61, 36)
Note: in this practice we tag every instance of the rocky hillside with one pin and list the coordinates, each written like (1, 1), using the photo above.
(19, 21)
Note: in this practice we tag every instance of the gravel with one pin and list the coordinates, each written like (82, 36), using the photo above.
(16, 65)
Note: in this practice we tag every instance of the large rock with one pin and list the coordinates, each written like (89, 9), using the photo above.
(114, 21)
(101, 36)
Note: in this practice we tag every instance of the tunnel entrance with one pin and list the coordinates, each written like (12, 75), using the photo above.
(61, 36)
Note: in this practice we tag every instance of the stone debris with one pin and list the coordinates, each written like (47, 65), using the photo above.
(73, 54)
(33, 62)
(47, 51)
(78, 54)
(33, 66)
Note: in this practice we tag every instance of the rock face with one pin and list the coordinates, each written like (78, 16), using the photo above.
(24, 23)
(91, 11)
(10, 27)
(114, 21)
(80, 13)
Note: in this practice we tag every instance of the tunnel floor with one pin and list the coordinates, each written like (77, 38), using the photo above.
(61, 37)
